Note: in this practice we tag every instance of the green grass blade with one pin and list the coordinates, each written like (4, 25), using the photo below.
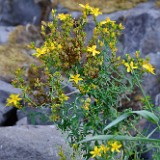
(147, 115)
(116, 121)
(120, 138)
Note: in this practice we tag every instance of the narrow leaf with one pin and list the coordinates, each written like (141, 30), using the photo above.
(148, 115)
(120, 138)
(116, 121)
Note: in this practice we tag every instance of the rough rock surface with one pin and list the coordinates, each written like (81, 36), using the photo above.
(6, 113)
(17, 12)
(30, 143)
(35, 116)
(4, 33)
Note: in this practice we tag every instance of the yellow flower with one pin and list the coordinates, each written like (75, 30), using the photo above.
(53, 12)
(121, 27)
(95, 152)
(54, 117)
(13, 99)
(104, 148)
(130, 66)
(108, 20)
(115, 147)
(105, 30)
(75, 78)
(101, 43)
(59, 46)
(40, 51)
(63, 97)
(95, 11)
(111, 45)
(102, 23)
(62, 16)
(87, 7)
(93, 50)
(86, 104)
(148, 67)
(52, 46)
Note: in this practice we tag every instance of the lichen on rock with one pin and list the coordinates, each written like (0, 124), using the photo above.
(16, 52)
(105, 6)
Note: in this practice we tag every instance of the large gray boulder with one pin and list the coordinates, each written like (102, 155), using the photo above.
(31, 143)
(18, 12)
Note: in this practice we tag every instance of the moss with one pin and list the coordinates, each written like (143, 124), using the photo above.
(11, 58)
(158, 3)
(24, 35)
(15, 53)
(106, 6)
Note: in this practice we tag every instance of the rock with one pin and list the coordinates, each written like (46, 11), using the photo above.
(23, 121)
(31, 143)
(46, 7)
(35, 116)
(17, 12)
(4, 33)
(7, 114)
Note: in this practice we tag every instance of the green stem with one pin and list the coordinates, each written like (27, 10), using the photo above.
(140, 86)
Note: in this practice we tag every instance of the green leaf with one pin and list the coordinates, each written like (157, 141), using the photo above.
(120, 138)
(116, 121)
(148, 115)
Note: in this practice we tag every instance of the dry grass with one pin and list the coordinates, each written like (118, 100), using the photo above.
(15, 54)
(158, 3)
(11, 58)
(106, 6)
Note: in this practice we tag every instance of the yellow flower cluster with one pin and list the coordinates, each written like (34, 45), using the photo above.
(103, 149)
(131, 64)
(63, 97)
(54, 117)
(90, 10)
(110, 30)
(86, 104)
(47, 48)
(63, 16)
